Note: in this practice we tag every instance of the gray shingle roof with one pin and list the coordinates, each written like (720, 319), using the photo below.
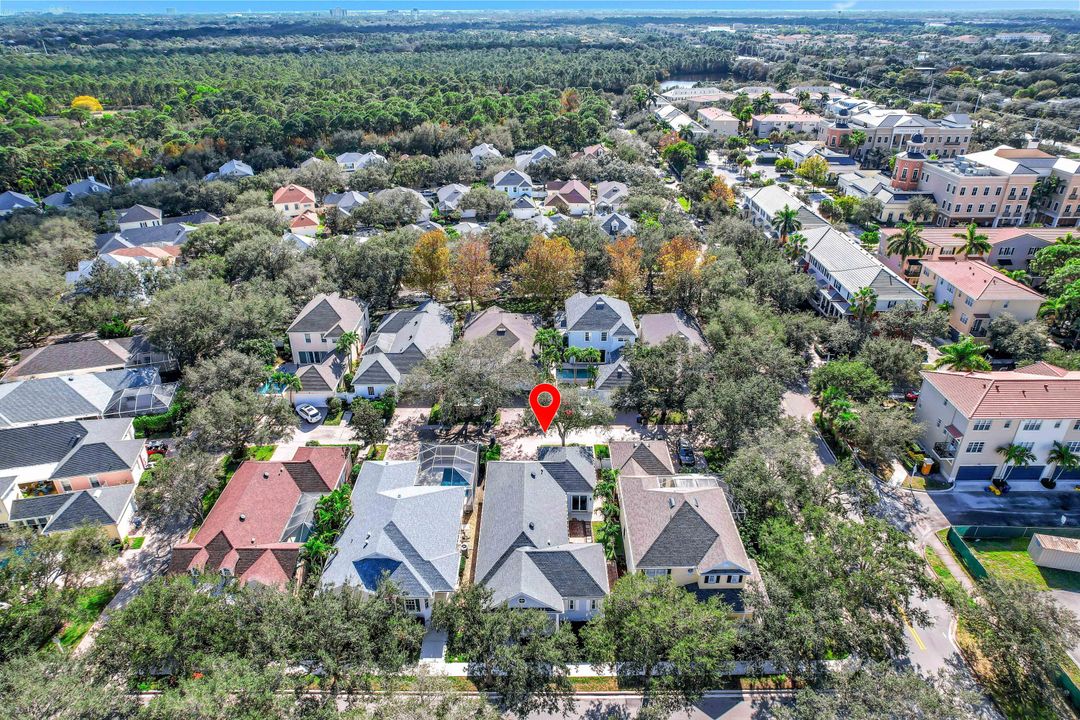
(572, 467)
(565, 573)
(100, 506)
(139, 213)
(71, 357)
(682, 543)
(90, 459)
(409, 531)
(11, 201)
(328, 313)
(42, 506)
(168, 234)
(658, 327)
(641, 457)
(402, 340)
(598, 313)
(39, 444)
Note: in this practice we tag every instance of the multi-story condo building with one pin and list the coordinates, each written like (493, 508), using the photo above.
(1012, 247)
(891, 131)
(976, 294)
(966, 417)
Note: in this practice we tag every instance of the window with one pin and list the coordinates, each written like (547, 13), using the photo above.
(412, 605)
(592, 604)
(1057, 424)
(969, 301)
(734, 579)
(1007, 251)
(307, 337)
(1008, 209)
(94, 481)
(710, 579)
(579, 503)
(982, 208)
(963, 319)
(969, 208)
(981, 425)
(975, 447)
(1027, 445)
(1032, 251)
(588, 336)
(571, 604)
(1074, 446)
(371, 391)
(1008, 424)
(986, 190)
(963, 191)
(1032, 425)
(998, 191)
(652, 572)
(65, 485)
(1076, 425)
(521, 601)
(603, 337)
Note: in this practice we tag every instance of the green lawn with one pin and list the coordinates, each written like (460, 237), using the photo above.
(334, 419)
(1009, 559)
(918, 482)
(134, 543)
(84, 613)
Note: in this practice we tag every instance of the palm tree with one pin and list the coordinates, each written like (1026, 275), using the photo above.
(975, 243)
(863, 305)
(906, 243)
(286, 381)
(965, 355)
(795, 247)
(855, 139)
(1064, 459)
(785, 222)
(838, 412)
(921, 206)
(346, 341)
(1020, 276)
(1015, 456)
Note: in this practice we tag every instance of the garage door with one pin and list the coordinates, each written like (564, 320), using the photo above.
(1031, 472)
(975, 472)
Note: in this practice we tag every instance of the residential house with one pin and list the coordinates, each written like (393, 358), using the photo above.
(681, 527)
(145, 182)
(1012, 247)
(166, 234)
(232, 170)
(514, 331)
(515, 183)
(467, 229)
(678, 121)
(313, 338)
(841, 267)
(524, 208)
(523, 160)
(312, 162)
(449, 200)
(138, 259)
(1029, 37)
(803, 123)
(719, 123)
(401, 530)
(611, 195)
(302, 243)
(598, 321)
(66, 456)
(976, 294)
(612, 376)
(67, 196)
(484, 152)
(110, 508)
(967, 416)
(761, 206)
(571, 197)
(256, 528)
(450, 465)
(292, 200)
(10, 201)
(113, 393)
(402, 340)
(756, 91)
(616, 224)
(346, 202)
(874, 183)
(199, 217)
(524, 554)
(89, 356)
(657, 327)
(138, 216)
(353, 161)
(641, 457)
(306, 224)
(574, 469)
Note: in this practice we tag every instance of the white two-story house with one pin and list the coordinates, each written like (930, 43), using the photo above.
(602, 322)
(524, 554)
(966, 417)
(313, 339)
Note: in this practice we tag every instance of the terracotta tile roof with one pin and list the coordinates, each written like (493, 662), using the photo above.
(243, 532)
(1022, 153)
(1040, 391)
(306, 219)
(945, 236)
(980, 281)
(293, 194)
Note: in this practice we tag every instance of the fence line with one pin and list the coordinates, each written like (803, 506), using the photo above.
(972, 564)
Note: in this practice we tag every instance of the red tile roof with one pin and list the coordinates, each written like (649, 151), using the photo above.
(980, 281)
(946, 236)
(308, 218)
(293, 194)
(243, 532)
(1041, 391)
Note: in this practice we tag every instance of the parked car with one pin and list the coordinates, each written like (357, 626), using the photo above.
(912, 396)
(308, 413)
(685, 452)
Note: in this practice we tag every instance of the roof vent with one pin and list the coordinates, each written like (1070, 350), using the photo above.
(600, 303)
(532, 526)
(671, 502)
(266, 475)
(243, 517)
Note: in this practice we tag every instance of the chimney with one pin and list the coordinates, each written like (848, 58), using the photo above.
(243, 517)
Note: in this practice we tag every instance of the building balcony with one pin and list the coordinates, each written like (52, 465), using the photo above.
(944, 450)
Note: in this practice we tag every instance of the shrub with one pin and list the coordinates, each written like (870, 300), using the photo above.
(160, 423)
(115, 328)
(334, 405)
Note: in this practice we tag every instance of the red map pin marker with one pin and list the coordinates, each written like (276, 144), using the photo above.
(544, 413)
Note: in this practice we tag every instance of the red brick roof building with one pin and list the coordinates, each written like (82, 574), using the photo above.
(256, 528)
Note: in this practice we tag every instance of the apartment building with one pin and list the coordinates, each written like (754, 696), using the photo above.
(719, 123)
(966, 417)
(677, 120)
(977, 293)
(804, 123)
(841, 268)
(891, 131)
(1012, 247)
(760, 207)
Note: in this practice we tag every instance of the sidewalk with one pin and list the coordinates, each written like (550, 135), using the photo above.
(932, 541)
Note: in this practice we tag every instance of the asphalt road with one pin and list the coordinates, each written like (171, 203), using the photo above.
(1023, 509)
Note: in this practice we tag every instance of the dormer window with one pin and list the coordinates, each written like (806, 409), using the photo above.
(500, 331)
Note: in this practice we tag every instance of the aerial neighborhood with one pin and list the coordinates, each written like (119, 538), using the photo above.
(666, 372)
